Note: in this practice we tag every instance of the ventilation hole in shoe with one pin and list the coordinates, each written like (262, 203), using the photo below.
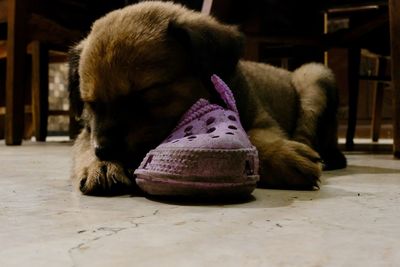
(188, 134)
(177, 140)
(215, 136)
(149, 159)
(232, 127)
(210, 120)
(211, 130)
(230, 133)
(232, 118)
(248, 169)
(192, 137)
(187, 129)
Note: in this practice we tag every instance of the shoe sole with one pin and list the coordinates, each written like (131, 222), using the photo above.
(199, 172)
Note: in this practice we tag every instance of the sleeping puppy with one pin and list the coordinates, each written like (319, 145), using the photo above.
(141, 67)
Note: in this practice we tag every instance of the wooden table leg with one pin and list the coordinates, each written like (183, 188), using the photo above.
(394, 10)
(2, 96)
(353, 89)
(40, 89)
(378, 100)
(16, 64)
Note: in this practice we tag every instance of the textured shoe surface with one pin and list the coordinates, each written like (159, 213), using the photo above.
(208, 153)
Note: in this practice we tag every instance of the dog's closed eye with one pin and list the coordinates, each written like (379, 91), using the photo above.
(156, 95)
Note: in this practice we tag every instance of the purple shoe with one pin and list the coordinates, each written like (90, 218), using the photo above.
(207, 154)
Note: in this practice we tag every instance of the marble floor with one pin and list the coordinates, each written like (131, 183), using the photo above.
(353, 220)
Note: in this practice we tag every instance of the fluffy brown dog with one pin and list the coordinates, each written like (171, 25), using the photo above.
(142, 66)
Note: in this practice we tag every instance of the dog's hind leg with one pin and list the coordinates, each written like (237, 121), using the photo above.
(317, 122)
(284, 163)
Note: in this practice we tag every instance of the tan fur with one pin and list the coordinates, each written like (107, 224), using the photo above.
(312, 101)
(159, 57)
(88, 173)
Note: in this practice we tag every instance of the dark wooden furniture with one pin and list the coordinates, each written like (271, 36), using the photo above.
(285, 33)
(379, 18)
(29, 33)
(257, 38)
(394, 18)
(20, 15)
(45, 25)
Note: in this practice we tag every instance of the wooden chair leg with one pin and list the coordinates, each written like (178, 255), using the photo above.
(377, 103)
(2, 127)
(40, 89)
(15, 79)
(353, 88)
(2, 96)
(394, 10)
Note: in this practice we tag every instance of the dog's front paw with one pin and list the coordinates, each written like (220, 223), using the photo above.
(290, 164)
(105, 178)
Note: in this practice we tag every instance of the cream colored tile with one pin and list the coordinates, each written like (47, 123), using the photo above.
(353, 220)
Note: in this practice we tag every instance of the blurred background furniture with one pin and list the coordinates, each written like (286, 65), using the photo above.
(22, 27)
(372, 25)
(36, 106)
(45, 25)
(286, 33)
(365, 34)
(296, 32)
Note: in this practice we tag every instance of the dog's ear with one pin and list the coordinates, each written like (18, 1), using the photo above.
(213, 47)
(76, 103)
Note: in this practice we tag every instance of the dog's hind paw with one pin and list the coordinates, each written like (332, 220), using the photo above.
(333, 160)
(290, 165)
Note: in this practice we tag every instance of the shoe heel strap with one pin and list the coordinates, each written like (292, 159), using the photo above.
(225, 93)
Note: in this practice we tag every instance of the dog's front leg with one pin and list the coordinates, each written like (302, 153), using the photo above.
(285, 163)
(94, 177)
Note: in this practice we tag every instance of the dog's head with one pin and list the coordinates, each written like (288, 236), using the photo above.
(140, 68)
